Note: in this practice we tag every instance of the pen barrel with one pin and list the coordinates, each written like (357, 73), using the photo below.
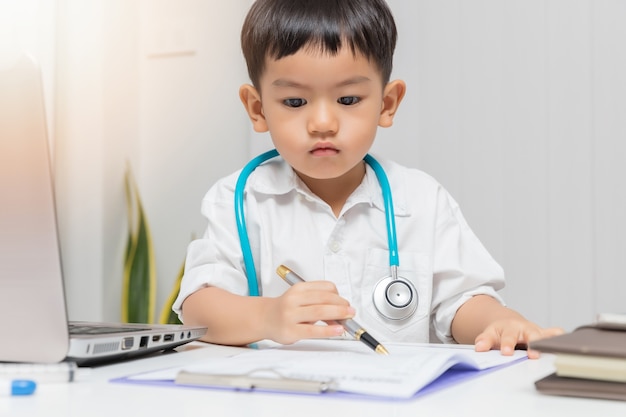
(352, 327)
(288, 275)
(359, 333)
(292, 278)
(369, 340)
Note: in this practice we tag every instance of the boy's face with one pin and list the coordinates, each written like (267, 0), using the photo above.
(322, 111)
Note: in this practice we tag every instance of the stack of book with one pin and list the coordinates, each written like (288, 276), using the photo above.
(589, 362)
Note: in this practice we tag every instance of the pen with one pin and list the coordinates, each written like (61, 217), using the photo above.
(16, 387)
(350, 325)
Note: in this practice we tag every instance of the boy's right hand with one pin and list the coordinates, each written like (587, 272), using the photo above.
(294, 315)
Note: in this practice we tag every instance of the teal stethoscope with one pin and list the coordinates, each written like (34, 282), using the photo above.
(394, 297)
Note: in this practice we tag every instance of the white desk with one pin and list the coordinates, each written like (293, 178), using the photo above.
(506, 392)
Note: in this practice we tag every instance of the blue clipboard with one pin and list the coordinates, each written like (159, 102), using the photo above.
(453, 376)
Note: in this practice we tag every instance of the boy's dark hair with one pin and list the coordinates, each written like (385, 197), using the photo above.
(279, 28)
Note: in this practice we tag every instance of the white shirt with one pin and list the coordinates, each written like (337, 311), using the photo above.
(288, 224)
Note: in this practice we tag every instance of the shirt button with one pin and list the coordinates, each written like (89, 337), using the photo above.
(335, 246)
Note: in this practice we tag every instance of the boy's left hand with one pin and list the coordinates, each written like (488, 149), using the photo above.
(508, 333)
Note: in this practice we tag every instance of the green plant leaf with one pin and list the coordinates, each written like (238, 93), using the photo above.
(167, 315)
(139, 283)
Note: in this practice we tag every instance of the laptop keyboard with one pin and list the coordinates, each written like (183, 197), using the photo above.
(80, 329)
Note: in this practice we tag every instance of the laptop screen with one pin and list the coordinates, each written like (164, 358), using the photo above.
(32, 303)
(32, 299)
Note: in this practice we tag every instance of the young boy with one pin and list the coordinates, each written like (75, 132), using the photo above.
(320, 72)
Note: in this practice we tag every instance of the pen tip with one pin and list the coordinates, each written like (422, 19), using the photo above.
(282, 271)
(381, 349)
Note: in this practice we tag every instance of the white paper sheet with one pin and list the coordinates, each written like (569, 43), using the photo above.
(349, 365)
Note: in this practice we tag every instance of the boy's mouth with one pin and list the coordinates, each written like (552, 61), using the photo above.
(324, 150)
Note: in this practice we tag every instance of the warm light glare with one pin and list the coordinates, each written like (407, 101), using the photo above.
(20, 21)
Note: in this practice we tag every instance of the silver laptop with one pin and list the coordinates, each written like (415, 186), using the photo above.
(33, 315)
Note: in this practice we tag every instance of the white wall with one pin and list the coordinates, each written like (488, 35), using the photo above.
(192, 127)
(151, 85)
(30, 25)
(516, 106)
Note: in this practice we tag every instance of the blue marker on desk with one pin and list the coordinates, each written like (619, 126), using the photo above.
(17, 387)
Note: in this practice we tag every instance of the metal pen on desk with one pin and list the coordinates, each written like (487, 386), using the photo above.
(350, 325)
(40, 372)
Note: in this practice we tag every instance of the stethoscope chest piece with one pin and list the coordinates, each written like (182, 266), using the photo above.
(395, 298)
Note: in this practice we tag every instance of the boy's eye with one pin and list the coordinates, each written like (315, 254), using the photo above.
(349, 100)
(294, 102)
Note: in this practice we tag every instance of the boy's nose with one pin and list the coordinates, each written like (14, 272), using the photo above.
(322, 120)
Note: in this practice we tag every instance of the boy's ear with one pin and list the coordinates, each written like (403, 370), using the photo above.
(251, 100)
(392, 96)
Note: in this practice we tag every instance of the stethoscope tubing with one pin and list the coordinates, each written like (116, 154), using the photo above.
(254, 285)
(390, 218)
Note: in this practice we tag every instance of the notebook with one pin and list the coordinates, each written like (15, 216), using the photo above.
(579, 387)
(588, 340)
(33, 311)
(346, 368)
(589, 362)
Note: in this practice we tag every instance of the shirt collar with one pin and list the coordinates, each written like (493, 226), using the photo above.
(276, 177)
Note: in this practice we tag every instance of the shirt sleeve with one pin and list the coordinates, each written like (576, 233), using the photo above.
(462, 267)
(215, 259)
